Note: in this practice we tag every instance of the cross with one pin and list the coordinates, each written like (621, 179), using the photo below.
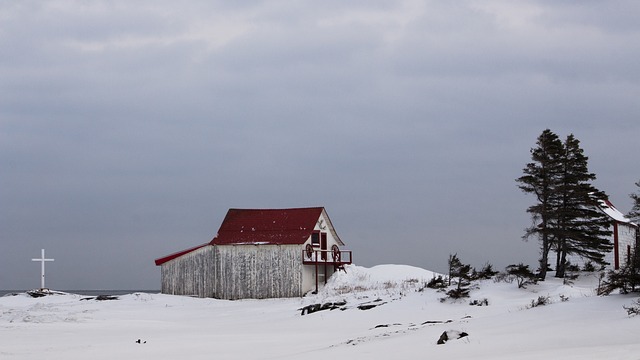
(42, 261)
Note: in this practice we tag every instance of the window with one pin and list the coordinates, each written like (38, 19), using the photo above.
(315, 238)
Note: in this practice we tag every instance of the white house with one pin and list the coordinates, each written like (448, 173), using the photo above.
(259, 253)
(623, 235)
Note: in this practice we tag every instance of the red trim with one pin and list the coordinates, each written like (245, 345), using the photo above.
(323, 245)
(616, 251)
(163, 260)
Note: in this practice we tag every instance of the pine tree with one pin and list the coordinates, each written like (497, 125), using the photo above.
(581, 228)
(461, 271)
(542, 177)
(566, 217)
(627, 278)
(634, 214)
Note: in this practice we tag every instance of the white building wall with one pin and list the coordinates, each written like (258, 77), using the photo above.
(626, 241)
(309, 271)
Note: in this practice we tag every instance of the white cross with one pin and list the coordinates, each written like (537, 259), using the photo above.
(42, 261)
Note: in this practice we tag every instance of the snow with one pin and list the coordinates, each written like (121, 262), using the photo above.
(613, 212)
(406, 323)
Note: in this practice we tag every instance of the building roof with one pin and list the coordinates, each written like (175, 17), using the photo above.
(607, 207)
(265, 227)
(164, 259)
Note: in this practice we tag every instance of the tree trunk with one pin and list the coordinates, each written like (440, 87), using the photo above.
(544, 258)
(560, 270)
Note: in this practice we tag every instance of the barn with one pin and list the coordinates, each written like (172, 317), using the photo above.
(623, 238)
(259, 253)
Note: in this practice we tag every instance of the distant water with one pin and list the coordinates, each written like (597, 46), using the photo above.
(88, 292)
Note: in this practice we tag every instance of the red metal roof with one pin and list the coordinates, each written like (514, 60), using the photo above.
(263, 227)
(267, 226)
(163, 260)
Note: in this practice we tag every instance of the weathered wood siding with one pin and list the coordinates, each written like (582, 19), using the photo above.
(236, 272)
(191, 274)
(258, 272)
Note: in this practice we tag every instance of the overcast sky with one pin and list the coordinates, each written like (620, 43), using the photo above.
(128, 129)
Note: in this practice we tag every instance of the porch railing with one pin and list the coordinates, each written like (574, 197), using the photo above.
(329, 257)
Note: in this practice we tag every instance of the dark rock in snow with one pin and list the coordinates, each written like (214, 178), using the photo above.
(451, 334)
(101, 298)
(436, 322)
(42, 292)
(319, 307)
(443, 338)
(370, 306)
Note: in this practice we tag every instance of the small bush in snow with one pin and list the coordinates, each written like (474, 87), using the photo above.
(503, 277)
(589, 267)
(458, 293)
(389, 285)
(626, 279)
(437, 283)
(522, 274)
(485, 273)
(634, 309)
(540, 301)
(483, 302)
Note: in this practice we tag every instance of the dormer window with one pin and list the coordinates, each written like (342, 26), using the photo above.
(315, 238)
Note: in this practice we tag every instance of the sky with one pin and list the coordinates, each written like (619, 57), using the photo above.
(128, 129)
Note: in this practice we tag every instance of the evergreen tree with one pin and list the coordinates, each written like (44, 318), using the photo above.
(626, 279)
(566, 217)
(461, 271)
(634, 214)
(542, 177)
(581, 228)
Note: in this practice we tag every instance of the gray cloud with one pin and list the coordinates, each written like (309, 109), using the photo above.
(127, 130)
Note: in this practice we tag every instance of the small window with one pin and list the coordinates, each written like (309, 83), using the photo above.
(315, 238)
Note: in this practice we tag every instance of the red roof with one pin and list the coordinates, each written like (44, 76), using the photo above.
(163, 260)
(263, 227)
(267, 226)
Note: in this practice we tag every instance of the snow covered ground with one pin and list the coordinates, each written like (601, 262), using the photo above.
(405, 324)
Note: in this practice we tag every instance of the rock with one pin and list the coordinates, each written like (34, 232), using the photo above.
(42, 292)
(368, 306)
(319, 307)
(451, 334)
(443, 338)
(100, 298)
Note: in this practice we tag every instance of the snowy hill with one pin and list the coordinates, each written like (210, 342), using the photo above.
(402, 320)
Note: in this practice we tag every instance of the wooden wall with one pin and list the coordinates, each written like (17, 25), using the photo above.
(236, 272)
(190, 274)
